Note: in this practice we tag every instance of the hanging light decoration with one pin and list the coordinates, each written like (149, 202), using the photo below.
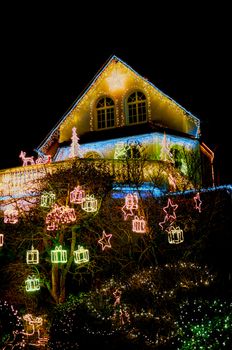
(175, 235)
(81, 255)
(47, 199)
(139, 225)
(198, 202)
(59, 255)
(32, 256)
(77, 196)
(131, 201)
(1, 239)
(32, 283)
(90, 204)
(11, 216)
(59, 215)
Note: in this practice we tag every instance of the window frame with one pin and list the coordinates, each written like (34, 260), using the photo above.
(136, 105)
(106, 113)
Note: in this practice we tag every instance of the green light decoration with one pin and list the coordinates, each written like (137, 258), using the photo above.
(47, 199)
(81, 255)
(32, 283)
(59, 255)
(90, 204)
(32, 256)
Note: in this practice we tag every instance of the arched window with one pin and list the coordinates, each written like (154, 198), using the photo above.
(137, 111)
(105, 113)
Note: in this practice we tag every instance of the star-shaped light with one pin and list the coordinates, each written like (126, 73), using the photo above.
(116, 80)
(166, 225)
(198, 202)
(127, 212)
(105, 240)
(169, 206)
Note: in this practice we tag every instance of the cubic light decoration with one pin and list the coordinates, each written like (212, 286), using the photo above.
(32, 256)
(47, 199)
(11, 216)
(105, 240)
(77, 196)
(81, 255)
(32, 284)
(59, 255)
(139, 225)
(175, 235)
(198, 202)
(1, 239)
(90, 204)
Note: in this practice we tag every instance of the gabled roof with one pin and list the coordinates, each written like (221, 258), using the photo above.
(55, 131)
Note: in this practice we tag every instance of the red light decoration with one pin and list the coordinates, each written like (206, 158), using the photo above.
(105, 240)
(77, 196)
(198, 202)
(139, 225)
(59, 215)
(11, 216)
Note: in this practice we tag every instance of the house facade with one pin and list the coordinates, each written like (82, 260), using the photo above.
(121, 116)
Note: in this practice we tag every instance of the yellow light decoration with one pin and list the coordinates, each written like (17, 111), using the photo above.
(1, 239)
(175, 235)
(33, 256)
(90, 204)
(47, 199)
(116, 80)
(58, 255)
(32, 284)
(81, 255)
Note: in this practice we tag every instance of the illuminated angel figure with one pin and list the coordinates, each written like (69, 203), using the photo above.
(131, 203)
(198, 202)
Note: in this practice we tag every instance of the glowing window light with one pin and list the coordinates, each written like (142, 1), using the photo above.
(81, 255)
(90, 204)
(198, 202)
(32, 284)
(59, 255)
(175, 235)
(47, 199)
(77, 196)
(11, 216)
(139, 225)
(32, 256)
(1, 239)
(105, 240)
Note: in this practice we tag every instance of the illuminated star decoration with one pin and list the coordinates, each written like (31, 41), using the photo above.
(105, 240)
(127, 212)
(174, 207)
(116, 80)
(169, 217)
(198, 202)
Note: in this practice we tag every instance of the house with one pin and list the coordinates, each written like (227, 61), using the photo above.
(122, 117)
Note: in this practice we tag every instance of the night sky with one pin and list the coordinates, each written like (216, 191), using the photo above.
(49, 58)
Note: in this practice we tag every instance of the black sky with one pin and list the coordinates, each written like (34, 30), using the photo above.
(49, 57)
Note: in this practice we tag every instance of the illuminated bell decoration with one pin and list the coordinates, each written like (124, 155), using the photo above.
(1, 239)
(139, 224)
(47, 199)
(81, 255)
(77, 196)
(11, 216)
(175, 235)
(32, 256)
(32, 284)
(90, 204)
(59, 255)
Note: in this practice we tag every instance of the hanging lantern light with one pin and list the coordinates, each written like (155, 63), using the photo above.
(11, 216)
(90, 204)
(1, 239)
(47, 199)
(81, 255)
(77, 196)
(139, 224)
(175, 235)
(32, 256)
(59, 255)
(32, 284)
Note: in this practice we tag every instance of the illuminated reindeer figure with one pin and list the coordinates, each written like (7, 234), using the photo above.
(26, 160)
